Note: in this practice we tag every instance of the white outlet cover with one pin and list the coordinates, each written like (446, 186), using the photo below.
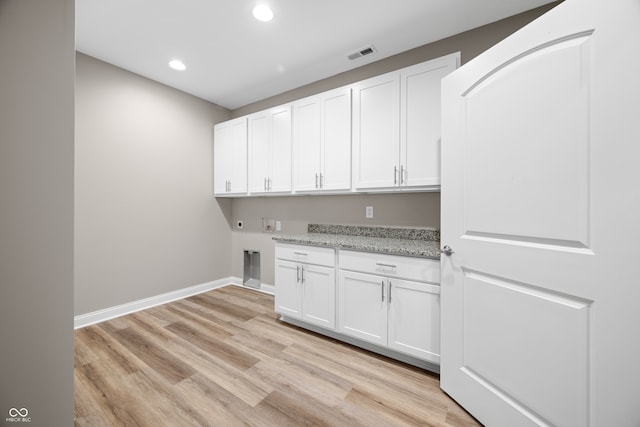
(369, 211)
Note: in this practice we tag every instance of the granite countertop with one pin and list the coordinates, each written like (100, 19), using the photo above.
(417, 242)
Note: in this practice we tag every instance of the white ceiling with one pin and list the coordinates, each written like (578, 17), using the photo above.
(232, 59)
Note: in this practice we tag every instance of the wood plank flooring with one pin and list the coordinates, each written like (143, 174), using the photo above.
(224, 359)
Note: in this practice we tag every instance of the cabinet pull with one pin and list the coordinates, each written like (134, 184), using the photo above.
(389, 290)
(316, 180)
(300, 253)
(297, 274)
(401, 175)
(381, 265)
(302, 270)
(269, 184)
(265, 184)
(395, 175)
(321, 184)
(382, 289)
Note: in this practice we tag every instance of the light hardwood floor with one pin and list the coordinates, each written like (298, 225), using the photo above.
(223, 359)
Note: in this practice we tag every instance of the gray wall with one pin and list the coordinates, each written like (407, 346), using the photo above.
(470, 44)
(36, 210)
(146, 220)
(420, 210)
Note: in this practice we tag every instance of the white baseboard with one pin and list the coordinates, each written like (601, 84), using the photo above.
(98, 316)
(87, 319)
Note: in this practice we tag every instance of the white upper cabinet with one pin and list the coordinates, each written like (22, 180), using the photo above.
(378, 135)
(230, 158)
(396, 127)
(322, 142)
(270, 151)
(376, 132)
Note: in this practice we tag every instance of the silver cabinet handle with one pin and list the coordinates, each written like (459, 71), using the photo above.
(401, 175)
(302, 270)
(297, 274)
(265, 183)
(379, 264)
(316, 180)
(395, 175)
(269, 184)
(389, 290)
(382, 289)
(447, 250)
(300, 253)
(321, 184)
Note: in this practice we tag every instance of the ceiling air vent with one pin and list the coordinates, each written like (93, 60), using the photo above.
(362, 52)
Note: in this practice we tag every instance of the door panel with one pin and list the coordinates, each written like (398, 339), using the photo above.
(288, 295)
(362, 306)
(528, 343)
(280, 170)
(336, 150)
(420, 112)
(414, 319)
(539, 204)
(376, 131)
(319, 296)
(259, 152)
(528, 180)
(306, 144)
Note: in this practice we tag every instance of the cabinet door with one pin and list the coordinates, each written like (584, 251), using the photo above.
(280, 136)
(238, 148)
(306, 144)
(222, 153)
(336, 138)
(259, 152)
(420, 120)
(288, 293)
(362, 306)
(376, 134)
(414, 319)
(319, 295)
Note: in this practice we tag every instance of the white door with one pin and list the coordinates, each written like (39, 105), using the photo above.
(259, 152)
(288, 293)
(376, 134)
(540, 205)
(306, 144)
(336, 138)
(362, 306)
(279, 178)
(222, 155)
(414, 319)
(238, 175)
(319, 295)
(420, 120)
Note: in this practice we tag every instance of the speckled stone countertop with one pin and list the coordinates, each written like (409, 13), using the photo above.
(417, 242)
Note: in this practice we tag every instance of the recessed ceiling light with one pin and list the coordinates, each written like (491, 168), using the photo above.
(263, 13)
(176, 64)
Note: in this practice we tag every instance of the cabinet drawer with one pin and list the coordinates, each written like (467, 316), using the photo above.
(419, 269)
(307, 254)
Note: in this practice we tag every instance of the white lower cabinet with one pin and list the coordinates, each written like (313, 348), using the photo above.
(304, 289)
(362, 310)
(382, 307)
(388, 300)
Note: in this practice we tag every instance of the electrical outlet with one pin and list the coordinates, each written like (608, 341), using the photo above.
(369, 212)
(278, 226)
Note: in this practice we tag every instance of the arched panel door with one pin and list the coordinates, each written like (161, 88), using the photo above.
(540, 208)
